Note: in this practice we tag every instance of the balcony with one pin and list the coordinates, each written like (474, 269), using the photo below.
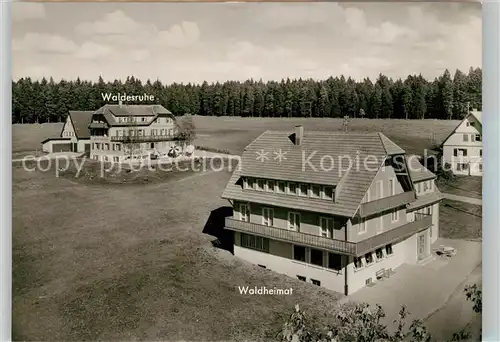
(421, 222)
(144, 138)
(98, 125)
(285, 235)
(386, 203)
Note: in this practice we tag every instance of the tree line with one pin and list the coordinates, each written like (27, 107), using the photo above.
(445, 97)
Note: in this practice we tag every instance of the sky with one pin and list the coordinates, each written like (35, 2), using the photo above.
(193, 42)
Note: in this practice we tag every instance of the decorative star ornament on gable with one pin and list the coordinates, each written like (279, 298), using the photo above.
(280, 155)
(262, 155)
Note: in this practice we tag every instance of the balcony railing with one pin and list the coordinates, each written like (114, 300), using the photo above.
(386, 203)
(144, 138)
(421, 222)
(285, 235)
(98, 125)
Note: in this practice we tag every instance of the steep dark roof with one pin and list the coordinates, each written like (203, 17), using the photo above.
(133, 110)
(418, 172)
(81, 121)
(111, 111)
(302, 163)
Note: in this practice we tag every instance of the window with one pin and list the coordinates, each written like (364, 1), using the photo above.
(294, 221)
(467, 123)
(379, 254)
(394, 215)
(428, 210)
(480, 152)
(303, 189)
(362, 226)
(380, 188)
(466, 137)
(316, 257)
(481, 167)
(301, 278)
(455, 152)
(299, 253)
(260, 184)
(426, 186)
(462, 166)
(106, 146)
(315, 191)
(392, 186)
(316, 282)
(255, 242)
(292, 188)
(358, 263)
(369, 258)
(326, 225)
(106, 158)
(327, 192)
(244, 212)
(113, 147)
(281, 187)
(270, 186)
(478, 137)
(267, 216)
(388, 249)
(335, 261)
(250, 183)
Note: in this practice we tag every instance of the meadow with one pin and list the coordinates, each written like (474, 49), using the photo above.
(97, 260)
(234, 133)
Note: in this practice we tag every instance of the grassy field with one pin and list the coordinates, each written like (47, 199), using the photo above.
(94, 259)
(463, 186)
(459, 220)
(100, 261)
(234, 133)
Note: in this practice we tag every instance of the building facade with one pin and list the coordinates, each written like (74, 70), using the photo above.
(74, 136)
(337, 227)
(463, 148)
(121, 133)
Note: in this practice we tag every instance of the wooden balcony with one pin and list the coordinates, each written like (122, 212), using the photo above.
(386, 203)
(98, 125)
(394, 235)
(316, 241)
(144, 138)
(422, 222)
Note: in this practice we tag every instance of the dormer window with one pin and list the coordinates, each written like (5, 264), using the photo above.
(303, 190)
(270, 186)
(292, 188)
(281, 187)
(260, 184)
(249, 183)
(315, 191)
(328, 192)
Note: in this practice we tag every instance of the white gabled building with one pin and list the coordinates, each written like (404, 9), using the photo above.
(463, 148)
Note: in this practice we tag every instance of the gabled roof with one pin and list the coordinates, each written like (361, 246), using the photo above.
(111, 111)
(133, 110)
(303, 163)
(418, 172)
(476, 114)
(80, 121)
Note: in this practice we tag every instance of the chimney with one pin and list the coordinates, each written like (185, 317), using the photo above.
(299, 134)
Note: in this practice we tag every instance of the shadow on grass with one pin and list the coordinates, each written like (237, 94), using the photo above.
(215, 227)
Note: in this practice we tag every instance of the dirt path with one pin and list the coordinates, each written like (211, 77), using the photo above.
(456, 313)
(465, 199)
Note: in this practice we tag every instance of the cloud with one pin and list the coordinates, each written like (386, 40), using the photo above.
(44, 43)
(92, 50)
(179, 35)
(117, 28)
(22, 11)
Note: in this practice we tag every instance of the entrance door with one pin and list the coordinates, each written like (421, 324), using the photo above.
(422, 246)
